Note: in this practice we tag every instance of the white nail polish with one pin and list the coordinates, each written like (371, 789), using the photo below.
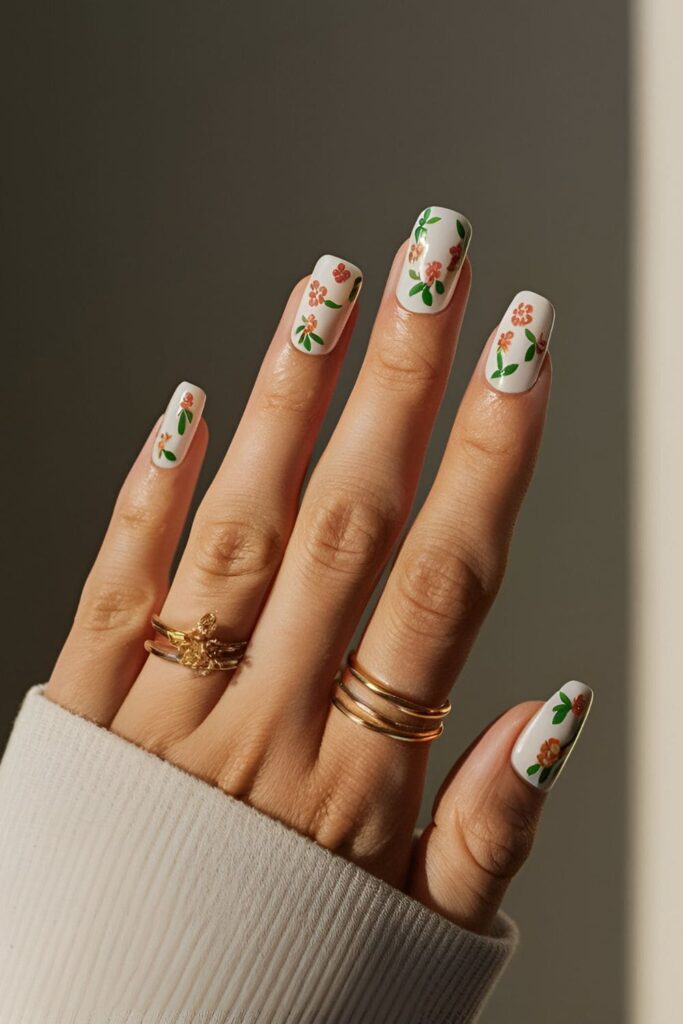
(520, 343)
(326, 305)
(436, 252)
(178, 426)
(544, 746)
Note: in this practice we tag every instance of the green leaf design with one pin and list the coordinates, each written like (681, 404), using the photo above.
(418, 232)
(355, 289)
(416, 288)
(544, 775)
(496, 373)
(426, 215)
(169, 455)
(332, 305)
(181, 422)
(530, 335)
(307, 343)
(434, 220)
(414, 274)
(461, 228)
(316, 337)
(530, 353)
(427, 295)
(510, 369)
(533, 769)
(189, 415)
(499, 359)
(565, 699)
(561, 713)
(439, 287)
(299, 329)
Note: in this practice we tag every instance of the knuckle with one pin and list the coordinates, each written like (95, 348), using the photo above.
(230, 548)
(400, 364)
(135, 514)
(116, 606)
(500, 843)
(284, 393)
(438, 591)
(490, 442)
(347, 535)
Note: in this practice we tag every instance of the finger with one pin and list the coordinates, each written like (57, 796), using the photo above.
(452, 561)
(104, 650)
(356, 502)
(486, 814)
(243, 524)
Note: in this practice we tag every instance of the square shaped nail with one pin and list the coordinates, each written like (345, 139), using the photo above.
(544, 745)
(520, 343)
(436, 252)
(178, 426)
(326, 304)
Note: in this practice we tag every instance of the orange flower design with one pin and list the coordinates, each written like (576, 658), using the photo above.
(415, 252)
(456, 253)
(316, 295)
(187, 400)
(522, 314)
(579, 704)
(310, 325)
(505, 340)
(432, 272)
(161, 441)
(541, 344)
(341, 273)
(549, 753)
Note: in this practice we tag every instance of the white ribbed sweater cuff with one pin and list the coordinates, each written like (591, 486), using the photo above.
(133, 893)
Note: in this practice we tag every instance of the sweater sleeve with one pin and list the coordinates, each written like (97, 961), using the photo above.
(134, 893)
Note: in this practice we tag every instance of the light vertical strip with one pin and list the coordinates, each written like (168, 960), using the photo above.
(656, 890)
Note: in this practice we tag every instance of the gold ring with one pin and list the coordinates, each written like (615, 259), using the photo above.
(364, 699)
(408, 707)
(197, 648)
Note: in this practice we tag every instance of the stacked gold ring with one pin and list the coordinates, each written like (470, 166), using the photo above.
(369, 702)
(197, 648)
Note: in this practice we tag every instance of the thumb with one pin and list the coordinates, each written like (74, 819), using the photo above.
(486, 813)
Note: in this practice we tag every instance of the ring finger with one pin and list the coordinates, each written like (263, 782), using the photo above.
(452, 561)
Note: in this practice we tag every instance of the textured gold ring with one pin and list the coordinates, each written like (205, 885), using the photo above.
(198, 648)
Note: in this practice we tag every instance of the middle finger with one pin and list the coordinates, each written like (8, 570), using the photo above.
(360, 494)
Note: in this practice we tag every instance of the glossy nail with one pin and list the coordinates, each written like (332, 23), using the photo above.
(520, 343)
(436, 252)
(545, 744)
(325, 305)
(178, 426)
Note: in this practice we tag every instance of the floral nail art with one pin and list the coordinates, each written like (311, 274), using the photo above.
(178, 426)
(161, 447)
(434, 259)
(545, 744)
(185, 411)
(521, 343)
(334, 285)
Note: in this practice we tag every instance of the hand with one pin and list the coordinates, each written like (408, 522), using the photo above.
(293, 576)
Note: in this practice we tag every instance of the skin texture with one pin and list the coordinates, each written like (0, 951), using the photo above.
(294, 573)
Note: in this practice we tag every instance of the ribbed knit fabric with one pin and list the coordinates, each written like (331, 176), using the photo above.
(133, 893)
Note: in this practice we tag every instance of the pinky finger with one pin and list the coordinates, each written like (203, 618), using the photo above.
(487, 812)
(104, 650)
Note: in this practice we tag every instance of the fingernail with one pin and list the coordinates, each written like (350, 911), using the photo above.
(436, 252)
(520, 343)
(178, 426)
(326, 305)
(544, 746)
